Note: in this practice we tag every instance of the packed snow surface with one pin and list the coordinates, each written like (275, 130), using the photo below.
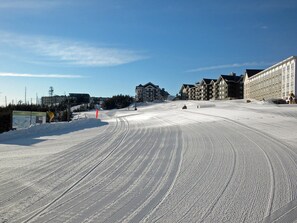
(225, 161)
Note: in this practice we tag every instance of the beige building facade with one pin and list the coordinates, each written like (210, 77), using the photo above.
(150, 92)
(275, 82)
(186, 92)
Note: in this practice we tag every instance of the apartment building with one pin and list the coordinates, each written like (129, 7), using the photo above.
(198, 91)
(225, 87)
(185, 91)
(192, 93)
(228, 87)
(248, 74)
(206, 89)
(150, 92)
(214, 93)
(275, 82)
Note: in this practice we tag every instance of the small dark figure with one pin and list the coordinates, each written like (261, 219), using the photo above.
(184, 107)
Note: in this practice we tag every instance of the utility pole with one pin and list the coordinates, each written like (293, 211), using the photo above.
(5, 101)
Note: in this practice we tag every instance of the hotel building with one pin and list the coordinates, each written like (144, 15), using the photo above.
(275, 82)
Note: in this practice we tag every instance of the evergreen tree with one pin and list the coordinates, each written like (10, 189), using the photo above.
(118, 101)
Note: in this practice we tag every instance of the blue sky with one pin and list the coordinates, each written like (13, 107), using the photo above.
(107, 47)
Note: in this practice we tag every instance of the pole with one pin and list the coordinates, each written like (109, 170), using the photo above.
(97, 113)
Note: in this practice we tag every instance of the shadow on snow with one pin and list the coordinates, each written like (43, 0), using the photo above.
(31, 136)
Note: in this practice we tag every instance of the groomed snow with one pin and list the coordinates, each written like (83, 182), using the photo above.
(227, 161)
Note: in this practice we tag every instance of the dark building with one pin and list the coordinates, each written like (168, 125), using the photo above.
(80, 98)
(53, 100)
(229, 87)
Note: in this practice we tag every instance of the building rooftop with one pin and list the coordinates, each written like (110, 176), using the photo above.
(252, 72)
(231, 78)
(208, 81)
(147, 84)
(189, 85)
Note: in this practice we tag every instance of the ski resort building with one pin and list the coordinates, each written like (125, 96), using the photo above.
(80, 98)
(248, 74)
(228, 87)
(53, 100)
(203, 90)
(185, 91)
(225, 87)
(197, 91)
(150, 92)
(192, 93)
(275, 82)
(206, 88)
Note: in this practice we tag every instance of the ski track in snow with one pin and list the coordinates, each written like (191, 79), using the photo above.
(228, 162)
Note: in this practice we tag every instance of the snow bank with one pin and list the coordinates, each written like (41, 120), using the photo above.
(49, 129)
(216, 161)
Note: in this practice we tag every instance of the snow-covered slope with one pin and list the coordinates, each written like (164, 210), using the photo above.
(212, 162)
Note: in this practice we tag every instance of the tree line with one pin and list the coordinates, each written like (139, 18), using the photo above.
(117, 102)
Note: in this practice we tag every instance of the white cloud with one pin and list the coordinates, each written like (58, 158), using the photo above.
(217, 67)
(70, 52)
(40, 75)
(29, 4)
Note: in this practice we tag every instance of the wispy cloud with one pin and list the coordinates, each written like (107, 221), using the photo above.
(54, 50)
(30, 4)
(40, 75)
(224, 66)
